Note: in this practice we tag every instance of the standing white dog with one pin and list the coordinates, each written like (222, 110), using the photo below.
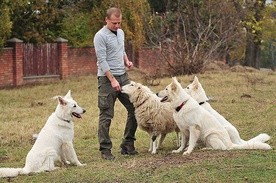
(196, 91)
(153, 116)
(54, 142)
(200, 124)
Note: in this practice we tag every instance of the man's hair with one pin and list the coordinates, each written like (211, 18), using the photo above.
(113, 11)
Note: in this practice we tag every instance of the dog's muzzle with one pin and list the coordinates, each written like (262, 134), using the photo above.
(77, 115)
(164, 99)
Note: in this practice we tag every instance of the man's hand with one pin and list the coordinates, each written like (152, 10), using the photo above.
(115, 84)
(129, 64)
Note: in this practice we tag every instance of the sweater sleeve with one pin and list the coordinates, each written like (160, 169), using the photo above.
(100, 49)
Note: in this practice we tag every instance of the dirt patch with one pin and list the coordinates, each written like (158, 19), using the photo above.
(178, 159)
(4, 158)
(221, 66)
(239, 68)
(216, 66)
(143, 77)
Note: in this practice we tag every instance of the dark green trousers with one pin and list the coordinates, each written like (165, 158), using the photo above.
(107, 97)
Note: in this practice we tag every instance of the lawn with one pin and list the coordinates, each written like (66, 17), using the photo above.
(246, 99)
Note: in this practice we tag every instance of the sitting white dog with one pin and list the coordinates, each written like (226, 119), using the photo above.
(54, 142)
(196, 91)
(199, 123)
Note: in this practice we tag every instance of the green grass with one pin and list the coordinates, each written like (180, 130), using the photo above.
(24, 111)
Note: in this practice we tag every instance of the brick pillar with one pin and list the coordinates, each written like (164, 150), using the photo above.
(63, 57)
(17, 45)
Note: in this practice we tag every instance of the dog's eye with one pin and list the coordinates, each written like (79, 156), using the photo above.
(74, 105)
(188, 87)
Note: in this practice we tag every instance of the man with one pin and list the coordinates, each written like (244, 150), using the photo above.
(111, 62)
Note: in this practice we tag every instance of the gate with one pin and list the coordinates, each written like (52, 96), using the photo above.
(40, 60)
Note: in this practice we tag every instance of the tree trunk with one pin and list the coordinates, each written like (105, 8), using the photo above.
(252, 52)
(254, 33)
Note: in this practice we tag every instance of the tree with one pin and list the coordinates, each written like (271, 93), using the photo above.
(268, 48)
(5, 22)
(133, 14)
(158, 6)
(191, 33)
(76, 27)
(7, 9)
(37, 21)
(251, 15)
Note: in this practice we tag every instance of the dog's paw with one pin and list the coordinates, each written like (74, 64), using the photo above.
(56, 168)
(81, 164)
(52, 169)
(206, 148)
(67, 162)
(186, 153)
(176, 151)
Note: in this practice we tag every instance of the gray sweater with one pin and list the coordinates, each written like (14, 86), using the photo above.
(110, 51)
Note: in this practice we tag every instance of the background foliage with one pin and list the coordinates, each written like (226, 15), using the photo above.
(5, 23)
(133, 15)
(193, 32)
(190, 33)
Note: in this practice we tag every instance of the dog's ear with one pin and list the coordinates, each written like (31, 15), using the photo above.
(174, 84)
(174, 80)
(56, 97)
(173, 87)
(61, 101)
(195, 83)
(68, 95)
(195, 79)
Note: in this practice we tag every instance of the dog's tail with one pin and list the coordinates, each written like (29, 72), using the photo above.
(263, 137)
(10, 172)
(252, 145)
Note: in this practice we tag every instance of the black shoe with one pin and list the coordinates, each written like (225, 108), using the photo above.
(107, 155)
(128, 149)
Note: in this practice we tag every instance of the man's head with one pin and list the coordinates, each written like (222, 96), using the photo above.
(113, 18)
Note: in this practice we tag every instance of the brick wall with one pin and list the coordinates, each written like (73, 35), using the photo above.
(151, 61)
(6, 67)
(82, 61)
(17, 61)
(72, 61)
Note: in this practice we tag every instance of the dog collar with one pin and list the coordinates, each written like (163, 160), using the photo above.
(66, 120)
(181, 105)
(200, 103)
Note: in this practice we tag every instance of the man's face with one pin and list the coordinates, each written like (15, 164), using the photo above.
(113, 23)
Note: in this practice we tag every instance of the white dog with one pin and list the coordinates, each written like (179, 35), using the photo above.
(200, 124)
(54, 142)
(196, 91)
(153, 116)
